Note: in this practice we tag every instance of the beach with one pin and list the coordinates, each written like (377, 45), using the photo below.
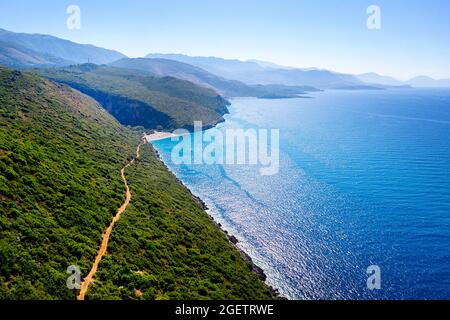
(159, 136)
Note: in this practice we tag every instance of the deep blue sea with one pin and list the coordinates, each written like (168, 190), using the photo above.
(364, 180)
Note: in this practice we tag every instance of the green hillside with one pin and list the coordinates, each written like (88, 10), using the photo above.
(138, 99)
(60, 157)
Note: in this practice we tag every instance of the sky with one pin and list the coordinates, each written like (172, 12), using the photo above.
(414, 38)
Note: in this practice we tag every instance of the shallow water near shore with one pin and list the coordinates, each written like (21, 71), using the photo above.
(364, 180)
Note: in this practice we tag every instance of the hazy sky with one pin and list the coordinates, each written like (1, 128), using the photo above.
(414, 37)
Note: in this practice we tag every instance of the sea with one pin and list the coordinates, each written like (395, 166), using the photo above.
(360, 205)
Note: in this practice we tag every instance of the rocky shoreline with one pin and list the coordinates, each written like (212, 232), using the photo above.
(275, 294)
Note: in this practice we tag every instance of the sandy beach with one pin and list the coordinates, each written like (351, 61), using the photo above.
(159, 136)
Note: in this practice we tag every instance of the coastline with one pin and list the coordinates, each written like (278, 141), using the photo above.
(260, 273)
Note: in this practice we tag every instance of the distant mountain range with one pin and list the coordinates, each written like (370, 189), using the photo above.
(424, 81)
(230, 88)
(228, 77)
(264, 73)
(420, 81)
(38, 49)
(373, 77)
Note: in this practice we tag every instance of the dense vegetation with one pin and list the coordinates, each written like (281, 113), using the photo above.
(138, 99)
(166, 247)
(60, 156)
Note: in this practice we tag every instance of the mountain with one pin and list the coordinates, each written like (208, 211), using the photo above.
(420, 81)
(230, 69)
(59, 49)
(229, 88)
(267, 64)
(16, 56)
(60, 160)
(375, 78)
(253, 73)
(322, 79)
(137, 99)
(424, 81)
(180, 70)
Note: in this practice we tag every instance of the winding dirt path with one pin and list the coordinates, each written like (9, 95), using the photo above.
(104, 246)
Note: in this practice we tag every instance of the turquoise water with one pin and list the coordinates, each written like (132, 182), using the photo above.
(364, 180)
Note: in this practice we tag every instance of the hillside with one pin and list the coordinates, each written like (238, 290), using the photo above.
(16, 56)
(61, 49)
(228, 88)
(60, 157)
(137, 99)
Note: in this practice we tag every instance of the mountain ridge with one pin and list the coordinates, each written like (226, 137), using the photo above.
(253, 73)
(418, 81)
(373, 77)
(16, 56)
(230, 88)
(67, 50)
(24, 50)
(425, 81)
